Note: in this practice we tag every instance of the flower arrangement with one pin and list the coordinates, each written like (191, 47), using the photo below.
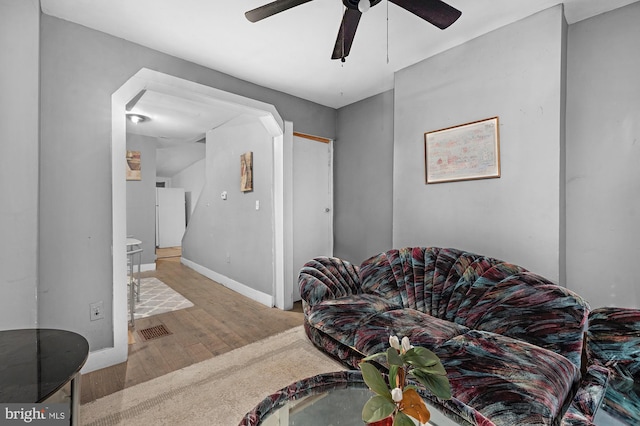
(395, 400)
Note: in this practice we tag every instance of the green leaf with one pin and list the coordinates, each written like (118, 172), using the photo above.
(374, 380)
(438, 384)
(393, 357)
(377, 408)
(401, 419)
(437, 370)
(421, 357)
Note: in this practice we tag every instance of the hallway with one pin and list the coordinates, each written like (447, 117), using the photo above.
(220, 321)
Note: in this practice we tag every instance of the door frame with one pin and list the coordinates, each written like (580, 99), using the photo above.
(147, 79)
(330, 204)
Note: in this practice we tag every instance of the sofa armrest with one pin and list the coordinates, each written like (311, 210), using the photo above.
(325, 278)
(588, 397)
(614, 340)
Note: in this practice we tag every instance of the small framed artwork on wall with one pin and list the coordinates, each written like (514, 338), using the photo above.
(246, 172)
(133, 165)
(464, 152)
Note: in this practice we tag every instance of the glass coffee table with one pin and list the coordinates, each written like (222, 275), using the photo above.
(334, 399)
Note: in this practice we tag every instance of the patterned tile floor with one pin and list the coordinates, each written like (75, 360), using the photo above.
(157, 298)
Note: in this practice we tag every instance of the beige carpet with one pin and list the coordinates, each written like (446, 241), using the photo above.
(218, 391)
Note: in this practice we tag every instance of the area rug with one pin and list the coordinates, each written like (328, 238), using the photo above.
(157, 298)
(218, 391)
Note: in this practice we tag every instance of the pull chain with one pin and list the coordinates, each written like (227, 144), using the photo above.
(387, 32)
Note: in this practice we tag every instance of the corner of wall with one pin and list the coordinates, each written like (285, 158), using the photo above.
(19, 162)
(562, 267)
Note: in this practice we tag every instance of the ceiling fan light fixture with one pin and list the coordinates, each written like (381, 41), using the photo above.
(436, 12)
(364, 6)
(137, 118)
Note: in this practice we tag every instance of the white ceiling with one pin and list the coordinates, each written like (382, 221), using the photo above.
(179, 125)
(289, 52)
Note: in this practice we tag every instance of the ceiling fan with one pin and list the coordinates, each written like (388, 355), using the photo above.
(435, 12)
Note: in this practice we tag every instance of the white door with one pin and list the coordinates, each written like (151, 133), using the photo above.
(170, 217)
(312, 203)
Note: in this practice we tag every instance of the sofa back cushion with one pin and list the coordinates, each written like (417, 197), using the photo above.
(433, 280)
(481, 293)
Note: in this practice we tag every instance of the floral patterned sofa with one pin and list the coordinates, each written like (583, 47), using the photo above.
(511, 341)
(613, 340)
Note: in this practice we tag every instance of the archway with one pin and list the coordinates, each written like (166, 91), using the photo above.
(147, 79)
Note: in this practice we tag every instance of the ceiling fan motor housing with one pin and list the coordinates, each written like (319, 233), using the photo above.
(353, 4)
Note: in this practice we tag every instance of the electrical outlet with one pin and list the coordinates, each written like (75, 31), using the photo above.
(96, 310)
(228, 257)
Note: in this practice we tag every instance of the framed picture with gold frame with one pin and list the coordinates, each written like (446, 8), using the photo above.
(465, 152)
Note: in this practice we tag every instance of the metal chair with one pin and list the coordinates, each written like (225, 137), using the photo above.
(134, 281)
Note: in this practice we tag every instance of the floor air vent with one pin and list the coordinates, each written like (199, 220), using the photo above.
(154, 332)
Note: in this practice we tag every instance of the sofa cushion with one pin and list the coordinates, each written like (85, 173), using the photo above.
(480, 292)
(432, 280)
(415, 276)
(340, 318)
(509, 381)
(421, 329)
(528, 307)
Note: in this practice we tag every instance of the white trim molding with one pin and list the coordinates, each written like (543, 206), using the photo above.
(146, 79)
(243, 289)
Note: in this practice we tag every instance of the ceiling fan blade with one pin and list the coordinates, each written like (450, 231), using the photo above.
(436, 12)
(272, 8)
(346, 33)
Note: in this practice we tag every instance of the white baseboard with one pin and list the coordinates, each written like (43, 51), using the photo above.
(103, 358)
(147, 267)
(243, 289)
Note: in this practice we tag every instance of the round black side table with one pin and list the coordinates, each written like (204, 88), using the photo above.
(36, 363)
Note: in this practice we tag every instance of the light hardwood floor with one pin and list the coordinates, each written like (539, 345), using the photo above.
(219, 321)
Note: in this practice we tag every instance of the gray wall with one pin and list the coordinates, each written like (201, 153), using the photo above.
(19, 20)
(515, 73)
(141, 197)
(192, 180)
(231, 237)
(603, 158)
(363, 185)
(560, 206)
(80, 69)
